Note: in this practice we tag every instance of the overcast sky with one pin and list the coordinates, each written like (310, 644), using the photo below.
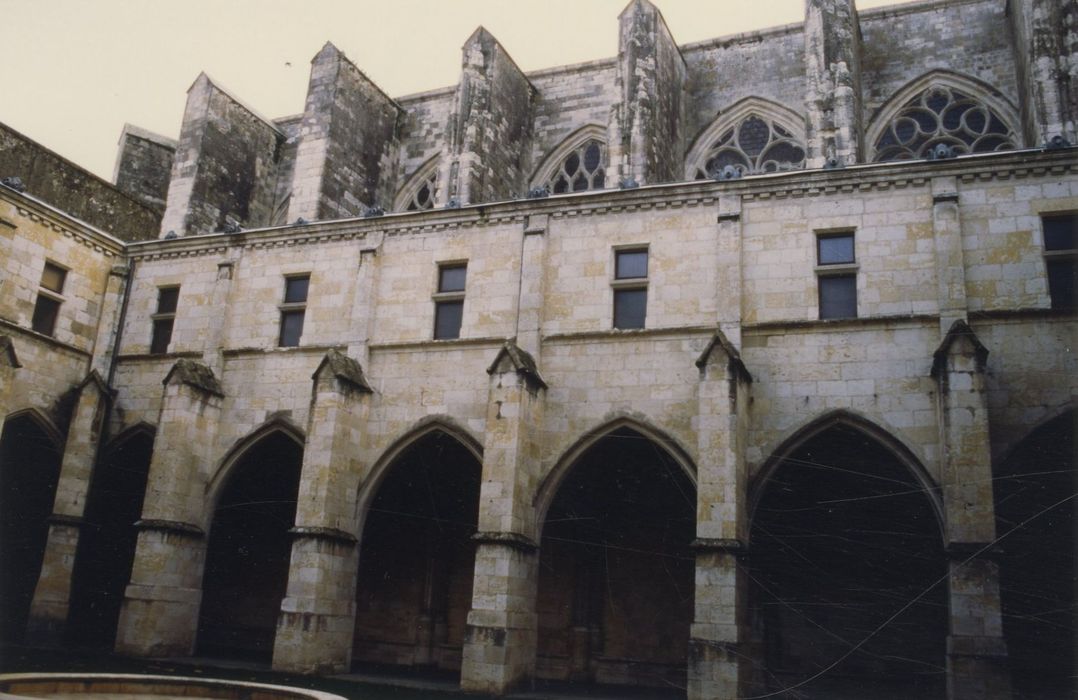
(73, 71)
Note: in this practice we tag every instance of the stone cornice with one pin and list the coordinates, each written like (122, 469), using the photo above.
(66, 225)
(771, 186)
(330, 534)
(513, 540)
(175, 527)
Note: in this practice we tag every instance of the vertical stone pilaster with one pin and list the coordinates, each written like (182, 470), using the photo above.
(485, 153)
(217, 329)
(1046, 55)
(718, 658)
(530, 301)
(52, 596)
(644, 135)
(9, 362)
(363, 301)
(501, 634)
(317, 620)
(976, 652)
(159, 615)
(950, 263)
(728, 289)
(108, 325)
(833, 82)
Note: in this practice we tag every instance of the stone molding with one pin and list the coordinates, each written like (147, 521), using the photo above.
(330, 534)
(720, 545)
(175, 527)
(959, 329)
(195, 375)
(76, 521)
(345, 369)
(513, 540)
(735, 364)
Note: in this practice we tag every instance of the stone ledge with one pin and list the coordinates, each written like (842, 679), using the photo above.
(323, 533)
(176, 527)
(722, 545)
(507, 539)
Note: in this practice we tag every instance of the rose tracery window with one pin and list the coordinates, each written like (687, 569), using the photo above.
(581, 170)
(423, 197)
(755, 145)
(943, 115)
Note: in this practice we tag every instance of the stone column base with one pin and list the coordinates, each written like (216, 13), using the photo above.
(158, 621)
(314, 637)
(47, 623)
(497, 659)
(717, 670)
(977, 668)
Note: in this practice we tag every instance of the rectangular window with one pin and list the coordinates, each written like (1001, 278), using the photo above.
(163, 319)
(293, 310)
(49, 298)
(449, 300)
(836, 275)
(630, 288)
(1061, 259)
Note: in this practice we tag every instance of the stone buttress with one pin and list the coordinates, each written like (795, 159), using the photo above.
(976, 651)
(718, 640)
(159, 616)
(1046, 55)
(93, 397)
(501, 634)
(225, 166)
(348, 143)
(317, 619)
(832, 83)
(486, 140)
(644, 135)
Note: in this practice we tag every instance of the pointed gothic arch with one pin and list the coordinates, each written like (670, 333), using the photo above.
(422, 428)
(588, 144)
(418, 511)
(219, 479)
(860, 424)
(420, 189)
(942, 107)
(548, 486)
(774, 140)
(42, 421)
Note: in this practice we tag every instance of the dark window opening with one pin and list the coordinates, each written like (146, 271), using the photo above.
(1061, 259)
(449, 301)
(630, 288)
(835, 250)
(836, 276)
(163, 319)
(838, 297)
(293, 310)
(47, 305)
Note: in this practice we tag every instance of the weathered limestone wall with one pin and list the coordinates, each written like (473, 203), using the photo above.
(286, 167)
(79, 193)
(833, 82)
(144, 165)
(421, 129)
(348, 148)
(902, 43)
(225, 166)
(768, 64)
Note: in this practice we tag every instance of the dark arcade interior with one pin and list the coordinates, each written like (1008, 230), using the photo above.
(29, 470)
(616, 574)
(1035, 492)
(417, 560)
(248, 554)
(848, 572)
(107, 541)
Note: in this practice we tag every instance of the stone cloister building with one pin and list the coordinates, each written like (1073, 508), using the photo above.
(730, 367)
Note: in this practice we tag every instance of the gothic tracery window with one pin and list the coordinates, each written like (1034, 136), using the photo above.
(581, 170)
(944, 115)
(423, 197)
(754, 145)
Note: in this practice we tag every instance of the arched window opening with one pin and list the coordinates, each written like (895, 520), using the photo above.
(29, 470)
(842, 539)
(249, 550)
(106, 548)
(414, 587)
(616, 575)
(1036, 517)
(754, 145)
(582, 170)
(943, 115)
(423, 196)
